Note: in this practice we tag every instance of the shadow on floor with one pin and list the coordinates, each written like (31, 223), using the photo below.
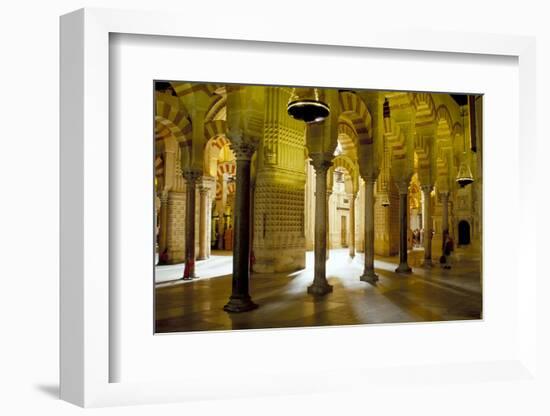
(51, 390)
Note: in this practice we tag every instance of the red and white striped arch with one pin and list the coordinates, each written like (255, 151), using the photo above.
(354, 108)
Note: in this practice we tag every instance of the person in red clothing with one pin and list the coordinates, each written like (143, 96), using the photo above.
(164, 257)
(228, 238)
(448, 248)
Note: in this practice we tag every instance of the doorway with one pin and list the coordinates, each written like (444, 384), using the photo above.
(344, 231)
(463, 233)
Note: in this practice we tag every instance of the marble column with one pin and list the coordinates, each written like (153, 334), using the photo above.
(191, 177)
(403, 267)
(444, 217)
(163, 226)
(368, 273)
(352, 226)
(445, 212)
(427, 220)
(209, 224)
(240, 300)
(203, 216)
(221, 230)
(251, 257)
(327, 222)
(321, 164)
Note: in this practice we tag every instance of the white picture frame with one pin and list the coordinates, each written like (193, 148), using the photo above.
(86, 355)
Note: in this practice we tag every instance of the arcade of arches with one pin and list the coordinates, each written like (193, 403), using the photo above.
(342, 221)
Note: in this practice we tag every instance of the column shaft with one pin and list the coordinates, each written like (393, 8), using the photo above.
(403, 228)
(368, 273)
(327, 222)
(427, 220)
(320, 285)
(189, 269)
(240, 300)
(445, 214)
(208, 225)
(203, 192)
(352, 226)
(163, 226)
(444, 218)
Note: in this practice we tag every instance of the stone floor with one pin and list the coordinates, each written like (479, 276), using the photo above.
(426, 295)
(219, 264)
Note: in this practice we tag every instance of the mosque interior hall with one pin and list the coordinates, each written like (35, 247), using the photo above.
(280, 207)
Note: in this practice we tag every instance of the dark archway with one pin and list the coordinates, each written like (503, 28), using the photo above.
(463, 233)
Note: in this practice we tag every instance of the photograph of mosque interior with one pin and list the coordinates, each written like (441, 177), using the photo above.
(285, 207)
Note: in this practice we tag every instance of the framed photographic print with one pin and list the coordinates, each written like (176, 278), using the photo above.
(292, 183)
(290, 211)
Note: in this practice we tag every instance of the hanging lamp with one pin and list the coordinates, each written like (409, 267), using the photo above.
(464, 176)
(308, 105)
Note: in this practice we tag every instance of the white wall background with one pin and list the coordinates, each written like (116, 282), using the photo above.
(29, 209)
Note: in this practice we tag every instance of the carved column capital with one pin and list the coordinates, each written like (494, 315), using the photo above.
(367, 172)
(243, 150)
(427, 188)
(191, 175)
(203, 190)
(208, 182)
(403, 187)
(320, 162)
(370, 179)
(170, 150)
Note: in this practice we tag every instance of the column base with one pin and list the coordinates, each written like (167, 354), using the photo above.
(188, 278)
(238, 304)
(427, 264)
(319, 289)
(403, 268)
(369, 276)
(189, 271)
(202, 257)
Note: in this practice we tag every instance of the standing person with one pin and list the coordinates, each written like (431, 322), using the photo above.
(164, 257)
(448, 247)
(443, 258)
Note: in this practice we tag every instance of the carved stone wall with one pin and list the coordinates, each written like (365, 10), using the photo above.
(339, 212)
(394, 220)
(197, 220)
(279, 198)
(386, 224)
(175, 241)
(360, 218)
(309, 213)
(279, 239)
